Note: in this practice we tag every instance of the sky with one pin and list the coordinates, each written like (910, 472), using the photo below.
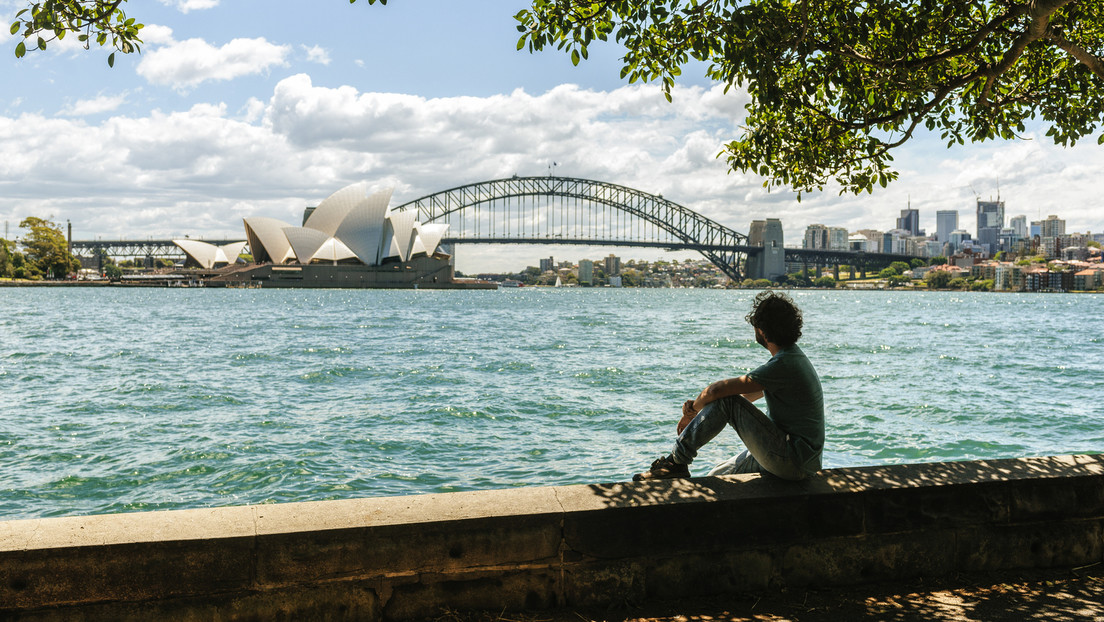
(261, 107)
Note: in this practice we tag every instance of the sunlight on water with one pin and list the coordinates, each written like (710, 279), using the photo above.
(127, 400)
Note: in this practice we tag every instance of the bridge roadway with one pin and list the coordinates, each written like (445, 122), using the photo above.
(135, 248)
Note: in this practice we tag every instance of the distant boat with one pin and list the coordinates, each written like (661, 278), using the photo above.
(559, 283)
(510, 283)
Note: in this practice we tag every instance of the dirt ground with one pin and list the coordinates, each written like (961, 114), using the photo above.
(1051, 595)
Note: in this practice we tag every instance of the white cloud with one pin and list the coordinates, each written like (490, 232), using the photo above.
(317, 54)
(155, 34)
(185, 6)
(97, 105)
(186, 64)
(199, 171)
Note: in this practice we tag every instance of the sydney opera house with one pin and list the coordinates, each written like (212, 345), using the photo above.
(351, 239)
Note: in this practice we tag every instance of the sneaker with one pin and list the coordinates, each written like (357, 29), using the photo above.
(663, 468)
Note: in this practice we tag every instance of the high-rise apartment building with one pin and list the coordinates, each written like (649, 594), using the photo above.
(1052, 227)
(909, 221)
(837, 238)
(990, 221)
(946, 221)
(816, 237)
(547, 265)
(586, 271)
(613, 265)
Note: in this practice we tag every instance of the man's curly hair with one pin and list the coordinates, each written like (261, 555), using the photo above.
(777, 316)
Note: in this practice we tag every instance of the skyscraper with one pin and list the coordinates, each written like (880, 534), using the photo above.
(990, 220)
(909, 221)
(1019, 226)
(946, 221)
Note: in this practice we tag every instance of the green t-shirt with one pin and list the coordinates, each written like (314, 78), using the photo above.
(795, 402)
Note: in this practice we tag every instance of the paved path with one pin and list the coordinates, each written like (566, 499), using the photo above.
(1051, 595)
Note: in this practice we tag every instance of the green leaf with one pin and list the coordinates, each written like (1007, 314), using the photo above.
(111, 60)
(20, 50)
(574, 57)
(1100, 141)
(15, 27)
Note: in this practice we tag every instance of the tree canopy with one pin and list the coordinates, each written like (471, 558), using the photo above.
(837, 85)
(100, 21)
(46, 249)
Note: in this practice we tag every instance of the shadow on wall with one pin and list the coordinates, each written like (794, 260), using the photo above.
(851, 480)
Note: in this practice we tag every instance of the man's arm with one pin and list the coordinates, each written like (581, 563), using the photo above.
(724, 388)
(743, 385)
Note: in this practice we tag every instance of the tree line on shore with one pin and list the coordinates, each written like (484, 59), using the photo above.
(44, 254)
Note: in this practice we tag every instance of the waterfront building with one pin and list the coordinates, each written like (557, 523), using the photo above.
(348, 227)
(209, 256)
(1088, 279)
(586, 271)
(1008, 277)
(946, 221)
(984, 270)
(1046, 281)
(547, 265)
(816, 237)
(613, 265)
(990, 220)
(909, 221)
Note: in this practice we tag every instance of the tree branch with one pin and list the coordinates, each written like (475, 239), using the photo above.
(1093, 62)
(920, 63)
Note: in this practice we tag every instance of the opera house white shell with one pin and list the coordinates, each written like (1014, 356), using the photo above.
(208, 255)
(349, 226)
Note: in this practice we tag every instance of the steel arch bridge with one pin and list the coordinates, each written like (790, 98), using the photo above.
(567, 210)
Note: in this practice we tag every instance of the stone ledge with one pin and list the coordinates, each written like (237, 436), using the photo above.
(403, 557)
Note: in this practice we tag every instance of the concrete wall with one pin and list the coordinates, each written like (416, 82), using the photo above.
(532, 548)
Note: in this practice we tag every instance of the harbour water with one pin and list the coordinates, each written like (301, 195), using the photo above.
(115, 400)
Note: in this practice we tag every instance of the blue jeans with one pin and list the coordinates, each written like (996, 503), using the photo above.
(768, 447)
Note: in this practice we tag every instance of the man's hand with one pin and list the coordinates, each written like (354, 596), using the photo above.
(688, 414)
